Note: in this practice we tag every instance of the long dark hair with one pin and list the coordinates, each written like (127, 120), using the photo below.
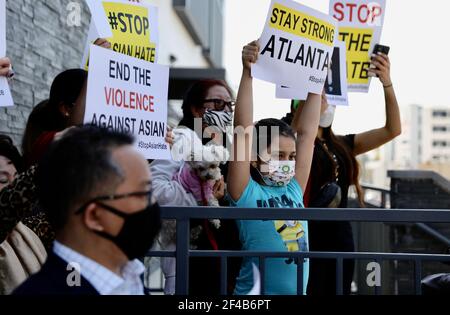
(195, 97)
(41, 119)
(267, 124)
(346, 153)
(46, 116)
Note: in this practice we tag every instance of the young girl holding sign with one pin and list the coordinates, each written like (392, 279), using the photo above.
(275, 177)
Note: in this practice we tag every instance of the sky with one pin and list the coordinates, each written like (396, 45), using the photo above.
(416, 31)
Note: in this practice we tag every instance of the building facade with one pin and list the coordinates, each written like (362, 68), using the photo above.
(425, 142)
(423, 145)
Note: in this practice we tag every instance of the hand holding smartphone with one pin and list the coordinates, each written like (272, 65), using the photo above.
(380, 49)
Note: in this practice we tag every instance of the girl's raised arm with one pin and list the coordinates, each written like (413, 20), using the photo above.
(239, 167)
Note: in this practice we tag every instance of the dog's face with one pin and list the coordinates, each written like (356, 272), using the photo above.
(207, 170)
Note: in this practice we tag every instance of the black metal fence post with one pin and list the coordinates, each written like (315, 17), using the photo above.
(418, 276)
(223, 275)
(339, 276)
(182, 254)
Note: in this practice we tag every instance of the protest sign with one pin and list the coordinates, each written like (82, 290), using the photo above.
(5, 92)
(129, 95)
(360, 26)
(2, 28)
(336, 84)
(130, 27)
(296, 47)
(284, 92)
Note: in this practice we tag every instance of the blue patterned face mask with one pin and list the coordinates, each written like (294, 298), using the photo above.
(279, 173)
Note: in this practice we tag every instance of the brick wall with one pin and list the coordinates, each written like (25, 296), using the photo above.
(41, 44)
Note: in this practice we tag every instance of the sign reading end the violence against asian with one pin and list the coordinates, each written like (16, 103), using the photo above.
(360, 27)
(129, 95)
(296, 47)
(130, 27)
(5, 92)
(335, 84)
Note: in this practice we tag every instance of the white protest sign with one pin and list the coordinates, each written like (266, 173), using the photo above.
(129, 95)
(284, 92)
(2, 28)
(296, 47)
(360, 26)
(336, 86)
(5, 92)
(91, 38)
(130, 27)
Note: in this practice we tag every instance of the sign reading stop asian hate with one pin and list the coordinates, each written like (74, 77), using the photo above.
(130, 27)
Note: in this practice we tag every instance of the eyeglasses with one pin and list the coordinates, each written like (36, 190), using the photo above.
(219, 104)
(148, 194)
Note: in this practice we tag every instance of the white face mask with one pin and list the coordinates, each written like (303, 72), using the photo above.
(280, 173)
(327, 118)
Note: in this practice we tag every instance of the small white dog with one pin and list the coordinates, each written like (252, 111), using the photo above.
(199, 173)
(200, 177)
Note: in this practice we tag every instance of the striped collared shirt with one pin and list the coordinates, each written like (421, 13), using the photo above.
(102, 279)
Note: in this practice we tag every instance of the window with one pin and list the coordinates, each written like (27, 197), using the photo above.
(441, 144)
(440, 129)
(440, 114)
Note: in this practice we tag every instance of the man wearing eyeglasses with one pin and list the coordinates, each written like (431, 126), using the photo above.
(97, 190)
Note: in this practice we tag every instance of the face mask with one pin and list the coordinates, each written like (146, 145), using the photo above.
(222, 120)
(280, 173)
(138, 232)
(326, 119)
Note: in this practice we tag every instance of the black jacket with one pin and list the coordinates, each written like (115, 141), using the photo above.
(52, 280)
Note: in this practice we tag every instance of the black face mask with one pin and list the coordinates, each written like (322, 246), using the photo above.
(138, 232)
(139, 229)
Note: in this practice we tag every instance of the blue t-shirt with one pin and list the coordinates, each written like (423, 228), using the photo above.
(276, 236)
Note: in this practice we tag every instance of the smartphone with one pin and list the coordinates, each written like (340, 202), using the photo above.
(380, 49)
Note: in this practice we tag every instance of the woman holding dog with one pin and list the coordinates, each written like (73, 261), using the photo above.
(207, 111)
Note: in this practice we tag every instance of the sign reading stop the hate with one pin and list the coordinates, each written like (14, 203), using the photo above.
(360, 27)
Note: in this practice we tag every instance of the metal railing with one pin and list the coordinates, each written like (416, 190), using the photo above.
(427, 229)
(183, 215)
(385, 194)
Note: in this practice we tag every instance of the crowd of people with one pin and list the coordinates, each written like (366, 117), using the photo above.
(79, 206)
